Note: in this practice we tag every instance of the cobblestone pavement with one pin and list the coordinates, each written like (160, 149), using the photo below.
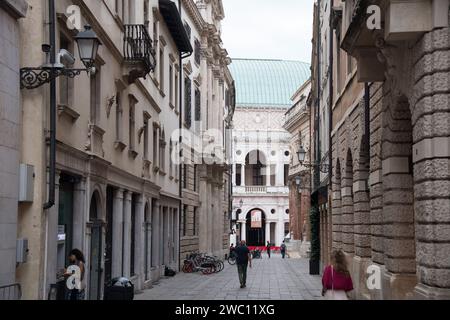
(269, 279)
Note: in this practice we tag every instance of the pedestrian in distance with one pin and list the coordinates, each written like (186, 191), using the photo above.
(283, 250)
(243, 260)
(336, 280)
(268, 248)
(76, 270)
(232, 249)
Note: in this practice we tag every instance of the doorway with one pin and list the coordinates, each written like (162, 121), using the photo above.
(256, 234)
(95, 270)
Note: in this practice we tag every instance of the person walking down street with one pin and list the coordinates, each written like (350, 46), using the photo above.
(283, 250)
(268, 248)
(76, 270)
(243, 259)
(336, 280)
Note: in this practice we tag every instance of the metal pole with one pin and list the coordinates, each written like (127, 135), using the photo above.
(52, 160)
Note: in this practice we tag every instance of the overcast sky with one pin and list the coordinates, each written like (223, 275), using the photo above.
(268, 29)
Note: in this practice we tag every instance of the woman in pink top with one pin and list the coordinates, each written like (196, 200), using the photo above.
(336, 280)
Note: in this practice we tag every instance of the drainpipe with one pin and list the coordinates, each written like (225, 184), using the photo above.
(330, 107)
(52, 160)
(180, 125)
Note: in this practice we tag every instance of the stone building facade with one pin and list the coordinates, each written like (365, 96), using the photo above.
(261, 153)
(118, 195)
(390, 148)
(297, 123)
(10, 121)
(206, 189)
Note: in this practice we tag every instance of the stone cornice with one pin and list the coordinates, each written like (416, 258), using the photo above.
(194, 14)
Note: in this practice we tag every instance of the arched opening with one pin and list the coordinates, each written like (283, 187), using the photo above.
(347, 217)
(337, 207)
(147, 240)
(255, 168)
(95, 261)
(398, 200)
(362, 203)
(255, 226)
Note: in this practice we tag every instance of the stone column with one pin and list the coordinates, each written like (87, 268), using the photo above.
(139, 245)
(52, 238)
(243, 175)
(279, 174)
(117, 238)
(234, 174)
(203, 211)
(268, 175)
(155, 234)
(268, 231)
(79, 217)
(243, 230)
(126, 234)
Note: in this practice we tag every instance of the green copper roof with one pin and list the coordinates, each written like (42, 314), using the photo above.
(267, 82)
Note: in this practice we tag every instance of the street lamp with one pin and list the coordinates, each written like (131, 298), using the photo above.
(301, 154)
(88, 43)
(298, 181)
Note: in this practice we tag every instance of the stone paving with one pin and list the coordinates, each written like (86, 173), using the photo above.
(269, 279)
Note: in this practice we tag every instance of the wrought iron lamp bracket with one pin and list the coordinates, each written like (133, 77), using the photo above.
(32, 78)
(323, 167)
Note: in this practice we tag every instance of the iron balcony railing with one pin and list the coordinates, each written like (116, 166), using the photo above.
(138, 47)
(11, 292)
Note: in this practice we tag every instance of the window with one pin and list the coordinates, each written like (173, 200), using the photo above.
(155, 146)
(194, 222)
(184, 176)
(146, 142)
(119, 114)
(162, 151)
(95, 96)
(65, 83)
(187, 103)
(198, 101)
(161, 70)
(188, 30)
(176, 91)
(195, 177)
(238, 174)
(286, 174)
(171, 84)
(132, 123)
(185, 214)
(197, 55)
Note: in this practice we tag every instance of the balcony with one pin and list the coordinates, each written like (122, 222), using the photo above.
(259, 190)
(138, 51)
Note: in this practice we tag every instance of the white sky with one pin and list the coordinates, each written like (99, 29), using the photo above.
(268, 29)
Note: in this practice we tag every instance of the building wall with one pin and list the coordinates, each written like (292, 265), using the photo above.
(389, 193)
(10, 123)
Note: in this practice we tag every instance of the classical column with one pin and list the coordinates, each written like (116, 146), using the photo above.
(117, 230)
(234, 174)
(268, 175)
(155, 234)
(243, 175)
(268, 231)
(139, 245)
(52, 238)
(79, 205)
(203, 211)
(279, 174)
(243, 230)
(126, 234)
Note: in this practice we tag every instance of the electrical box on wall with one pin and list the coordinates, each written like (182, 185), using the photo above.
(21, 250)
(26, 183)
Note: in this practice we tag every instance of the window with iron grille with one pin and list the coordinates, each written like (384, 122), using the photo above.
(188, 30)
(198, 110)
(187, 102)
(197, 51)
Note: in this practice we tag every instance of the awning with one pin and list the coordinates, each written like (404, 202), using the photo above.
(172, 17)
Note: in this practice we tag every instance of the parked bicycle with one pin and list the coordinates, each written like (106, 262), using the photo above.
(201, 262)
(256, 254)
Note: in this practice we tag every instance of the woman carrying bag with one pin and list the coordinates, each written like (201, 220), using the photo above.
(336, 280)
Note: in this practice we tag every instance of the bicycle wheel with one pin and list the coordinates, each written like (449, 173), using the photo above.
(232, 260)
(220, 265)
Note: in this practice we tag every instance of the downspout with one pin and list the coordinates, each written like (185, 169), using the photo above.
(52, 160)
(180, 125)
(330, 107)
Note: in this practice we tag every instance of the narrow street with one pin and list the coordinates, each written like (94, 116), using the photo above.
(269, 279)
